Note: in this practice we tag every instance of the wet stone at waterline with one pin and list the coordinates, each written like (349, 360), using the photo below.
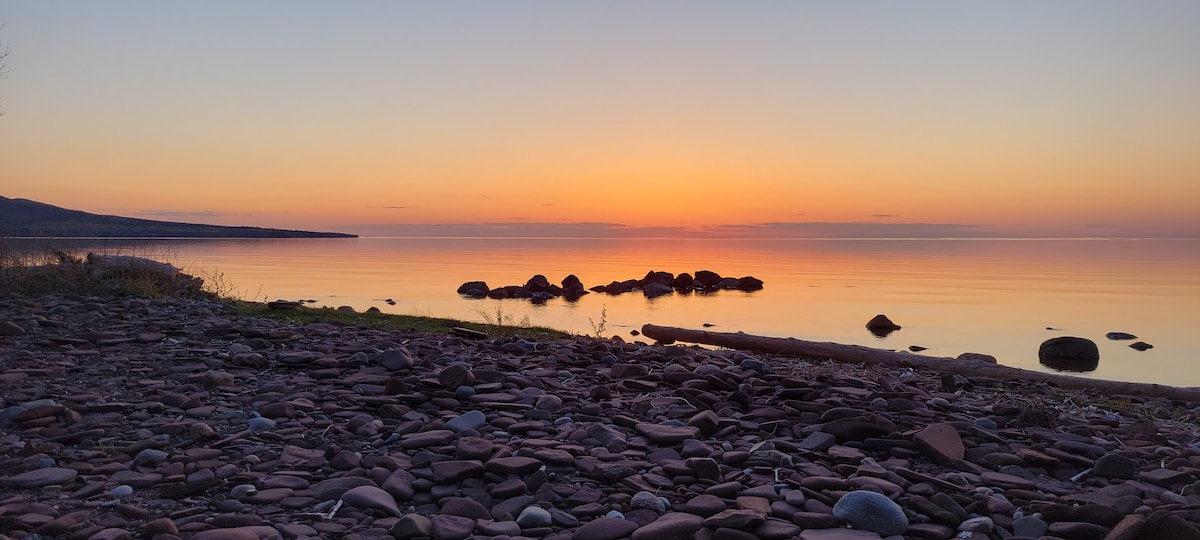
(1069, 354)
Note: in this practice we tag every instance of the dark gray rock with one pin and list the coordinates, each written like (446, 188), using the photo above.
(871, 511)
(1068, 353)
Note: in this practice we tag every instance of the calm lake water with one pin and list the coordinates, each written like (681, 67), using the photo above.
(996, 296)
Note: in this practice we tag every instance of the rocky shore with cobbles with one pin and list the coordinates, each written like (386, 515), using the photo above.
(127, 418)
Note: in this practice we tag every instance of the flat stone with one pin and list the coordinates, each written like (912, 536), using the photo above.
(447, 527)
(670, 525)
(516, 465)
(704, 505)
(838, 534)
(454, 471)
(605, 528)
(334, 488)
(476, 448)
(941, 441)
(669, 435)
(467, 420)
(365, 497)
(736, 519)
(434, 437)
(38, 478)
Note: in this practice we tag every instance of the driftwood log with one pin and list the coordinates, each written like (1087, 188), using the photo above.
(866, 355)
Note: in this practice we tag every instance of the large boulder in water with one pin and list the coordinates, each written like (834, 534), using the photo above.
(474, 289)
(572, 285)
(707, 278)
(661, 278)
(750, 283)
(537, 283)
(1069, 354)
(881, 325)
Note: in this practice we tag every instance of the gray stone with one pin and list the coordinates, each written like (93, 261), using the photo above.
(870, 511)
(647, 500)
(534, 516)
(1032, 526)
(467, 420)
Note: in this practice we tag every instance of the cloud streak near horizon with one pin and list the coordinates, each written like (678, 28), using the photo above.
(615, 230)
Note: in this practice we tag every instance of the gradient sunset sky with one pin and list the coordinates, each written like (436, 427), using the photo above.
(1025, 118)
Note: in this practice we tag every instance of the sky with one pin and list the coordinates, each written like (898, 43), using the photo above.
(918, 118)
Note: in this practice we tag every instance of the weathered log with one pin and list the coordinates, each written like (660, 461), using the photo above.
(857, 354)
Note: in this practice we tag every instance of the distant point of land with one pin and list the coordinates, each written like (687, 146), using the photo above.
(26, 218)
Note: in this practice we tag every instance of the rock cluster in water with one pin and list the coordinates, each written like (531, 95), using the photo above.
(654, 284)
(169, 419)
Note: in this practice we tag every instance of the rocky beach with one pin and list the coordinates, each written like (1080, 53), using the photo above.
(163, 419)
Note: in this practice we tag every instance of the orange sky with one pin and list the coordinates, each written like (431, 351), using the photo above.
(1070, 119)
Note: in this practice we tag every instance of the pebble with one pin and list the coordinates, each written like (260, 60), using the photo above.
(214, 427)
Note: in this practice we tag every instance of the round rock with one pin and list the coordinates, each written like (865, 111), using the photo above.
(870, 511)
(1069, 354)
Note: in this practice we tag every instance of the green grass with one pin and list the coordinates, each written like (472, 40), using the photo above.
(387, 321)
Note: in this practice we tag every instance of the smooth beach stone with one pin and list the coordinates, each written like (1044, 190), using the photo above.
(838, 534)
(1115, 466)
(365, 497)
(412, 526)
(38, 478)
(468, 420)
(476, 448)
(434, 437)
(736, 519)
(647, 500)
(670, 525)
(452, 527)
(516, 465)
(941, 441)
(605, 528)
(457, 470)
(534, 516)
(465, 507)
(870, 511)
(669, 435)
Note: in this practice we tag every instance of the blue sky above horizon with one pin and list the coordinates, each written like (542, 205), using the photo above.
(996, 119)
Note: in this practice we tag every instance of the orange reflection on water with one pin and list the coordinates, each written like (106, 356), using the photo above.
(989, 296)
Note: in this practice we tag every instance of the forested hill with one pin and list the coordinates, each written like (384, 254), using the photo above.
(26, 218)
